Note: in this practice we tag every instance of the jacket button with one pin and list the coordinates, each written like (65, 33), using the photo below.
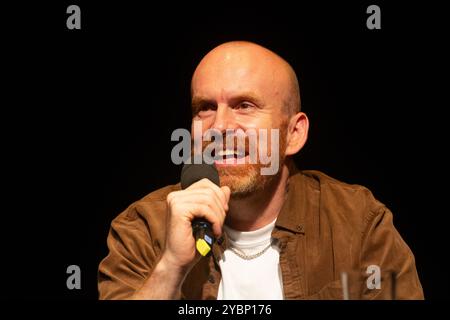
(211, 279)
(300, 228)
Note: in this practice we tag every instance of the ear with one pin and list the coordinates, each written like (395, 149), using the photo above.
(297, 133)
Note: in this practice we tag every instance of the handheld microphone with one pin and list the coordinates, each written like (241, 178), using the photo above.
(201, 228)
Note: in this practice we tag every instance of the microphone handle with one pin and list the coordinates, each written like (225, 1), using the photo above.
(203, 235)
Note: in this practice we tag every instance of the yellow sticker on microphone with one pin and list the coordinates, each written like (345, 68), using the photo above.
(202, 247)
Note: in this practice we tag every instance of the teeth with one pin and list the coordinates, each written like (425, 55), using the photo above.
(222, 153)
(226, 153)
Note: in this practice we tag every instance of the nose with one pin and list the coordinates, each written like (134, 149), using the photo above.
(224, 119)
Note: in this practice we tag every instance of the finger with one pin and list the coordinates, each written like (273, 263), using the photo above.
(208, 184)
(204, 196)
(198, 210)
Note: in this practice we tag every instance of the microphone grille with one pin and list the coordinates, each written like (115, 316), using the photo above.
(191, 173)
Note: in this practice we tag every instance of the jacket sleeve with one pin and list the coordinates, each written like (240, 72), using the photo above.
(383, 247)
(130, 259)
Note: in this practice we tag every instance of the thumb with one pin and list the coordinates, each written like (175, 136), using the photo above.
(226, 190)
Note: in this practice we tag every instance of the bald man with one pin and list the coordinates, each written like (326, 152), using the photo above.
(288, 235)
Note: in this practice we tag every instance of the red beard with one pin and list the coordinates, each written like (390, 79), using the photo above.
(245, 179)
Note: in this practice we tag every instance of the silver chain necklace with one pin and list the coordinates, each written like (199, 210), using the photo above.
(244, 256)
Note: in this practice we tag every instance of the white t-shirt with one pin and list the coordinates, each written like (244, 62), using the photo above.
(259, 278)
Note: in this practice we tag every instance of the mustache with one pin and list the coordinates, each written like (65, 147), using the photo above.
(233, 142)
(226, 147)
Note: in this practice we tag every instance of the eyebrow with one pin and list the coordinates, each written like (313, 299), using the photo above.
(198, 102)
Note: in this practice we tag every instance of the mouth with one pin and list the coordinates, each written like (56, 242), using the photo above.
(230, 157)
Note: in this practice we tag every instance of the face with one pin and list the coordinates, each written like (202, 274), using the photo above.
(241, 92)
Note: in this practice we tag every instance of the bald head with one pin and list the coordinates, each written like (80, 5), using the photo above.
(241, 66)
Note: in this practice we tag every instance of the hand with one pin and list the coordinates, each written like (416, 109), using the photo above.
(202, 199)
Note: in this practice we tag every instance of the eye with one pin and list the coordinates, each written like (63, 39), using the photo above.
(245, 105)
(204, 109)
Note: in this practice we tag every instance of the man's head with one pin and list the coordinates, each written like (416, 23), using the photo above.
(241, 85)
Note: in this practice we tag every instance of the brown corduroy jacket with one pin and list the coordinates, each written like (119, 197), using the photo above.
(325, 228)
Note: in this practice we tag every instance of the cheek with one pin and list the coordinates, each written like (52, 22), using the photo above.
(202, 124)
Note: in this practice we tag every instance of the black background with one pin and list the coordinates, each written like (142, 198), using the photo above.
(87, 117)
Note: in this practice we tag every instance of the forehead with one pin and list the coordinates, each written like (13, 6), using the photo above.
(233, 73)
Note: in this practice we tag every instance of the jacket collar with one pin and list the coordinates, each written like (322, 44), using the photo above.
(296, 205)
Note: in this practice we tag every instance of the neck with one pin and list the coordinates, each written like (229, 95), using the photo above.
(260, 208)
